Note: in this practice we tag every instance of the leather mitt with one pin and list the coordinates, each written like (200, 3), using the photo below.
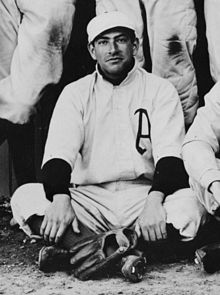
(94, 254)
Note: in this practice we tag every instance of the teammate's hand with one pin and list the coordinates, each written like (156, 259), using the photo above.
(152, 221)
(58, 216)
(215, 190)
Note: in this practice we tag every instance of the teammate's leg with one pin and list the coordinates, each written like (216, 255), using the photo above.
(42, 37)
(171, 26)
(212, 18)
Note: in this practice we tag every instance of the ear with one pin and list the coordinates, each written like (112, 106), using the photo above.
(135, 46)
(91, 49)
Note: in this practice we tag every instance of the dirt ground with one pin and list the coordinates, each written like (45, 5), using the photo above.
(19, 272)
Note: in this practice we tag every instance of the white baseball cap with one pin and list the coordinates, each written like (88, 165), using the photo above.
(106, 21)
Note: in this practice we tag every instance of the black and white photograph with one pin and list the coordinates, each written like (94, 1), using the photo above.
(109, 147)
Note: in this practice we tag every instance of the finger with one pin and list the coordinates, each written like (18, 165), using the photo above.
(158, 234)
(84, 253)
(75, 226)
(53, 233)
(47, 231)
(137, 229)
(163, 229)
(81, 244)
(152, 235)
(43, 225)
(60, 231)
(145, 234)
(88, 266)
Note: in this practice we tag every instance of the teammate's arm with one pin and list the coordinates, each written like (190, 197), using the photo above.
(215, 190)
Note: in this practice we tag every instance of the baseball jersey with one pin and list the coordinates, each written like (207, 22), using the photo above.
(109, 133)
(167, 34)
(202, 141)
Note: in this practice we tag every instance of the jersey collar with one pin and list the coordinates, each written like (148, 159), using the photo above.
(127, 79)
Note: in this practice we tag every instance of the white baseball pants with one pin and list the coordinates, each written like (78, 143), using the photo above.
(112, 205)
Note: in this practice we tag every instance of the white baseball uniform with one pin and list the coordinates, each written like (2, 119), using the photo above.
(171, 26)
(212, 18)
(112, 137)
(201, 146)
(171, 29)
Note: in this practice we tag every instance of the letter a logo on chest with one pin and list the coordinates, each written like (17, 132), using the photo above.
(143, 130)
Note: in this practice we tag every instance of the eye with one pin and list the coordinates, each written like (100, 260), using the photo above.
(122, 40)
(102, 42)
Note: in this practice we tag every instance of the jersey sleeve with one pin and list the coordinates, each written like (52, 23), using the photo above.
(55, 175)
(167, 123)
(201, 144)
(170, 176)
(66, 131)
(167, 134)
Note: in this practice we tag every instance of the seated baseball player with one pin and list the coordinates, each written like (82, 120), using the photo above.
(116, 135)
(201, 159)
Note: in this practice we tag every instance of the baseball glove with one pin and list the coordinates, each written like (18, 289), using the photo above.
(96, 253)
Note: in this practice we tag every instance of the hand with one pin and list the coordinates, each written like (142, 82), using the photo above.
(58, 216)
(152, 221)
(215, 190)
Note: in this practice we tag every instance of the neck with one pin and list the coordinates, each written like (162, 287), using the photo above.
(117, 79)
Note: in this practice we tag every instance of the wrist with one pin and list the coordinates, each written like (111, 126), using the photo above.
(61, 197)
(156, 196)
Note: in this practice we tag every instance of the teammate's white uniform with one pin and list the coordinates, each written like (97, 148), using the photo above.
(203, 139)
(113, 136)
(212, 18)
(171, 26)
(32, 44)
(34, 36)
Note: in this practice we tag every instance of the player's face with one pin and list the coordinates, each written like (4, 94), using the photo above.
(114, 51)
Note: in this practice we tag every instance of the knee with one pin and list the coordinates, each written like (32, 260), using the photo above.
(20, 193)
(188, 224)
(185, 213)
(18, 201)
(25, 193)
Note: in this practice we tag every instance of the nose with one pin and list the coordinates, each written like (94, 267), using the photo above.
(113, 46)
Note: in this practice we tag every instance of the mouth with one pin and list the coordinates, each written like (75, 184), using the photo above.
(114, 59)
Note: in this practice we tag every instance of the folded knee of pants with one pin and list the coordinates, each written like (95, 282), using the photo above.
(27, 200)
(185, 213)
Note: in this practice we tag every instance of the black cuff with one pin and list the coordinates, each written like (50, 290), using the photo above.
(56, 175)
(170, 175)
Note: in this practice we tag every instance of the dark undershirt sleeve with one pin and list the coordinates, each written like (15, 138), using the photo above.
(170, 175)
(56, 175)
